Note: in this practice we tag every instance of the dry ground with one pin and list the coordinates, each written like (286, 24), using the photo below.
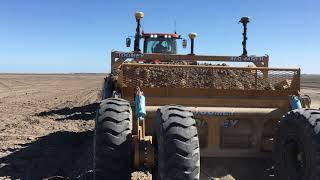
(46, 124)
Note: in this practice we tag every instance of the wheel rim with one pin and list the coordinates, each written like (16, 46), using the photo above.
(294, 160)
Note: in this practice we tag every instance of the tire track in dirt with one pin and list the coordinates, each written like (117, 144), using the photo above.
(4, 85)
(91, 96)
(23, 83)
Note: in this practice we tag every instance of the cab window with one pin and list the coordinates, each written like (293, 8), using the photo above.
(160, 45)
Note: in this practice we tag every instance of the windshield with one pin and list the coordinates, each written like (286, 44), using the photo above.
(160, 45)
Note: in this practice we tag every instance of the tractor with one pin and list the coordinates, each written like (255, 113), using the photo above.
(161, 111)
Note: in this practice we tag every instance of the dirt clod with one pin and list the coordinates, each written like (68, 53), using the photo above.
(190, 77)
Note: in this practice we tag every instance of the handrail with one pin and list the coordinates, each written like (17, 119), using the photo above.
(212, 66)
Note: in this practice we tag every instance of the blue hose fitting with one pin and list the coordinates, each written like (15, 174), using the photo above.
(140, 104)
(295, 103)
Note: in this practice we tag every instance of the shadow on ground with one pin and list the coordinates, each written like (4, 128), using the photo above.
(68, 155)
(60, 155)
(237, 168)
(86, 112)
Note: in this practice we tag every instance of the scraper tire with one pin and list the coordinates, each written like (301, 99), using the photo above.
(297, 146)
(177, 144)
(113, 140)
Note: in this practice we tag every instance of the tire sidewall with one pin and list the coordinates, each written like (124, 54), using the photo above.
(294, 127)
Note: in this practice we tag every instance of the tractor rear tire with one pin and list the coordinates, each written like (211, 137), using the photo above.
(113, 140)
(177, 144)
(297, 146)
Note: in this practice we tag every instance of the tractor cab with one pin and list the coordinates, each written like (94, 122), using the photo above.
(163, 43)
(160, 43)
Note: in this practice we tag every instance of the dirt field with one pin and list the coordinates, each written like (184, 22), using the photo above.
(46, 124)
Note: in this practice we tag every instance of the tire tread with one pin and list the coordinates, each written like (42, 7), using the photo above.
(180, 143)
(113, 140)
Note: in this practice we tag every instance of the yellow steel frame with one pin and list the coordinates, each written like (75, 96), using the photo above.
(257, 110)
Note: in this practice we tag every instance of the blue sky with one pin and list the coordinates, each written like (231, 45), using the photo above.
(62, 36)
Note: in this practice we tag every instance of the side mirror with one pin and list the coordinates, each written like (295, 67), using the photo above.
(184, 43)
(128, 42)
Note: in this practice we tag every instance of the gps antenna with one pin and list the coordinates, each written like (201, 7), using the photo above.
(244, 21)
(138, 16)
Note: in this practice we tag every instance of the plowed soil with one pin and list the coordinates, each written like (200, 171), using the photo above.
(46, 124)
(198, 78)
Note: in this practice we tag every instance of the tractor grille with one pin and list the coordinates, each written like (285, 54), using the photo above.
(210, 77)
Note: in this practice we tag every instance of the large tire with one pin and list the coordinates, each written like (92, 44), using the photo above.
(177, 144)
(113, 140)
(297, 146)
(107, 88)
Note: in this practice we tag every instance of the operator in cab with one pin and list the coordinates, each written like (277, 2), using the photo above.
(160, 48)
